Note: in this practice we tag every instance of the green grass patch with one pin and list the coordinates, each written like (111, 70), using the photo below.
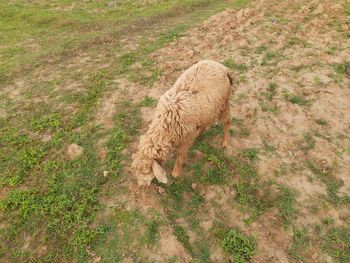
(300, 243)
(240, 247)
(336, 243)
(332, 183)
(285, 202)
(239, 67)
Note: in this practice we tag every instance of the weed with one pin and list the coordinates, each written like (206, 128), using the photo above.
(322, 122)
(241, 131)
(183, 237)
(31, 157)
(152, 232)
(337, 244)
(341, 67)
(333, 184)
(285, 201)
(296, 99)
(271, 91)
(255, 196)
(250, 153)
(308, 143)
(50, 122)
(300, 243)
(203, 251)
(260, 49)
(271, 58)
(235, 66)
(239, 246)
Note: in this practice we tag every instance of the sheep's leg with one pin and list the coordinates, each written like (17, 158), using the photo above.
(182, 156)
(225, 118)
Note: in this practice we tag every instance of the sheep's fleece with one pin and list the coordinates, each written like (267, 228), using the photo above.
(196, 101)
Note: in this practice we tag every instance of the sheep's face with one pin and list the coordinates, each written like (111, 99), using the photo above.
(145, 169)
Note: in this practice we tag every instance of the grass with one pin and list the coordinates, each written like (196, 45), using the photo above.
(331, 182)
(296, 99)
(300, 243)
(241, 68)
(239, 246)
(337, 244)
(271, 58)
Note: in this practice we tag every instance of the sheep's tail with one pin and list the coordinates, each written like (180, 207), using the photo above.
(230, 78)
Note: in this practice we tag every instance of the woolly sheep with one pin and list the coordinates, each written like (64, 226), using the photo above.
(199, 98)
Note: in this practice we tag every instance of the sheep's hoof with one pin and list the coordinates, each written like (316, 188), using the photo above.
(224, 144)
(175, 174)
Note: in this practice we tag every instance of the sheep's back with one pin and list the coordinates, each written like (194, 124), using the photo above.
(203, 89)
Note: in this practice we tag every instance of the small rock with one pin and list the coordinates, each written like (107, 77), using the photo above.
(74, 151)
(105, 173)
(194, 186)
(161, 190)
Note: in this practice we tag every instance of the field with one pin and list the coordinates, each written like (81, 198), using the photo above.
(88, 74)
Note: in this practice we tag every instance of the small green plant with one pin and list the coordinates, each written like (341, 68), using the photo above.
(322, 122)
(271, 91)
(336, 243)
(271, 58)
(148, 102)
(235, 66)
(308, 143)
(152, 232)
(250, 153)
(300, 243)
(285, 202)
(260, 49)
(341, 67)
(51, 121)
(239, 246)
(239, 129)
(296, 99)
(183, 237)
(318, 81)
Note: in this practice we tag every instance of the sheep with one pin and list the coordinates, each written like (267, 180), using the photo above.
(199, 98)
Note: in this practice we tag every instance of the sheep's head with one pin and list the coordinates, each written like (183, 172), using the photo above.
(145, 169)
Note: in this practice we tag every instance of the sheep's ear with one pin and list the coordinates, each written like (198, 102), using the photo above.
(159, 172)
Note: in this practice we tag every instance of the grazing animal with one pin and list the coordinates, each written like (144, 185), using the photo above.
(199, 98)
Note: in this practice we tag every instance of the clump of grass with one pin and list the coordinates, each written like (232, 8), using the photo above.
(260, 49)
(299, 245)
(255, 196)
(296, 99)
(239, 129)
(239, 246)
(271, 58)
(250, 153)
(308, 143)
(148, 102)
(286, 201)
(51, 121)
(235, 66)
(332, 183)
(341, 67)
(336, 243)
(322, 122)
(152, 232)
(271, 91)
(183, 237)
